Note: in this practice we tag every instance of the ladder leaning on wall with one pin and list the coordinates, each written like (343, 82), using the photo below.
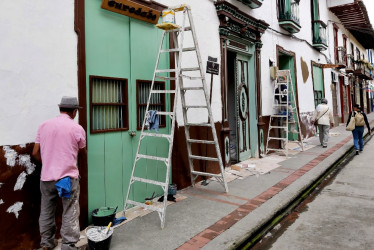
(286, 109)
(177, 35)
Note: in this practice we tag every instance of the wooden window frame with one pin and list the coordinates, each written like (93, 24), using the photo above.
(162, 104)
(124, 104)
(318, 100)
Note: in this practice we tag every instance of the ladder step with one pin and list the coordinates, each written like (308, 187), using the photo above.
(279, 116)
(190, 69)
(150, 157)
(198, 124)
(189, 49)
(276, 149)
(164, 113)
(143, 205)
(163, 91)
(158, 183)
(170, 50)
(192, 88)
(197, 157)
(206, 174)
(156, 135)
(193, 77)
(165, 70)
(165, 78)
(277, 127)
(195, 107)
(277, 138)
(200, 141)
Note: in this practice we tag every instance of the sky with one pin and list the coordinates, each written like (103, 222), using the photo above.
(370, 9)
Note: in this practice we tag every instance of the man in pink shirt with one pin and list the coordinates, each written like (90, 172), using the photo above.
(57, 144)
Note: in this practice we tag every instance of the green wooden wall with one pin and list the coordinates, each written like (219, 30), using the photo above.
(119, 46)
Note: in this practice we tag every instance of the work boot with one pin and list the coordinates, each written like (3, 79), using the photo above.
(357, 153)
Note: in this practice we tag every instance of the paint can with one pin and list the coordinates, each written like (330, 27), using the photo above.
(168, 16)
(97, 237)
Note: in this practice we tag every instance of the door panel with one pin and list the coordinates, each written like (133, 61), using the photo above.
(242, 102)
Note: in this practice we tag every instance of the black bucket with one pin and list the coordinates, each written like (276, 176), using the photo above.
(99, 244)
(103, 216)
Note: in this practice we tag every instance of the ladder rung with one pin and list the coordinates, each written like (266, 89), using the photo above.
(164, 113)
(190, 69)
(277, 127)
(150, 157)
(170, 50)
(166, 78)
(165, 70)
(189, 49)
(198, 124)
(156, 135)
(163, 91)
(193, 77)
(150, 207)
(200, 141)
(158, 183)
(197, 157)
(279, 116)
(281, 83)
(277, 138)
(206, 174)
(275, 149)
(195, 107)
(192, 88)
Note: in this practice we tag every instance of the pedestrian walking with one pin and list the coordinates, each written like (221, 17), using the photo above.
(57, 145)
(358, 132)
(323, 118)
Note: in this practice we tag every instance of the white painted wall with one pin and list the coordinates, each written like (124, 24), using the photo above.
(38, 51)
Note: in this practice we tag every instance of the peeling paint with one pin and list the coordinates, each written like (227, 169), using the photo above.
(22, 145)
(1, 201)
(10, 155)
(20, 181)
(15, 208)
(25, 160)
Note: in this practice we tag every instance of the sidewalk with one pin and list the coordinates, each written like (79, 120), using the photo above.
(206, 217)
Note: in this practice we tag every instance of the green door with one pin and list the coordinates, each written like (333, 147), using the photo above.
(286, 62)
(318, 85)
(120, 54)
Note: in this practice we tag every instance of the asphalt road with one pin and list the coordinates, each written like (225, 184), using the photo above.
(341, 216)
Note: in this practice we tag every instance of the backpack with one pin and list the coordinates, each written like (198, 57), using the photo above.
(359, 119)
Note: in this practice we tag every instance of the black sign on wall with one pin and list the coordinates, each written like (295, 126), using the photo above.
(212, 66)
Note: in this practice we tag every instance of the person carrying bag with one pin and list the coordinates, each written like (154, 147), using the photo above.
(324, 121)
(356, 122)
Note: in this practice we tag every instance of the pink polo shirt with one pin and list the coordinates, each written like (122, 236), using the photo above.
(60, 139)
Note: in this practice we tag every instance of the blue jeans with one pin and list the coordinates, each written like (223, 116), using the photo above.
(357, 137)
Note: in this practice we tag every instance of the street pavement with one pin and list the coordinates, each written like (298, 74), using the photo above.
(206, 217)
(342, 215)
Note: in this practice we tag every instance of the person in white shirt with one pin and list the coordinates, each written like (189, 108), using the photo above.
(323, 117)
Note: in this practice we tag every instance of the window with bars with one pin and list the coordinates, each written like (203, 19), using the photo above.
(109, 104)
(157, 101)
(318, 95)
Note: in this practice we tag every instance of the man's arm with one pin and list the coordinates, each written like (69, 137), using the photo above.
(36, 152)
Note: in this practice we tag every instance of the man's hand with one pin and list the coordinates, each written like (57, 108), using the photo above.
(331, 125)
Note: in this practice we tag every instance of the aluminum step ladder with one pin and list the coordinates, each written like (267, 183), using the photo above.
(177, 36)
(286, 116)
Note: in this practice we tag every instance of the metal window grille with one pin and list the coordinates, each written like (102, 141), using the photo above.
(317, 97)
(109, 104)
(157, 101)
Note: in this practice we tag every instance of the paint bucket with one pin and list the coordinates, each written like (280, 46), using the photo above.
(168, 16)
(97, 238)
(102, 216)
(172, 189)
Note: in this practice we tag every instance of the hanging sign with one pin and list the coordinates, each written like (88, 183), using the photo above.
(132, 9)
(212, 66)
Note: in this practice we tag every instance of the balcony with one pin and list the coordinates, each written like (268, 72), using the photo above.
(252, 3)
(340, 57)
(289, 16)
(319, 35)
(363, 69)
(350, 64)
